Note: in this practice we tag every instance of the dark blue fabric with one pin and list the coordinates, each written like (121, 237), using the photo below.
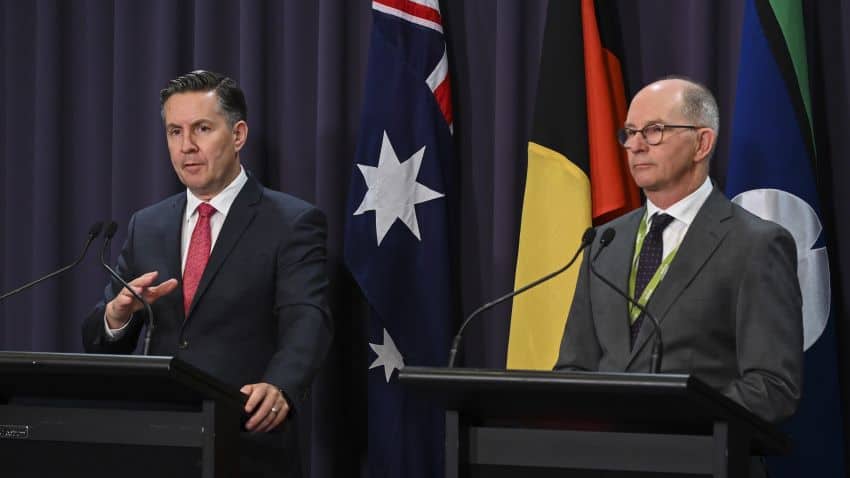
(768, 150)
(406, 280)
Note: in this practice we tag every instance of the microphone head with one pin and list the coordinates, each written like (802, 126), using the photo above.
(95, 229)
(607, 237)
(588, 236)
(111, 229)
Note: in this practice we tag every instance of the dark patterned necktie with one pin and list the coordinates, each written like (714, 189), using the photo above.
(649, 261)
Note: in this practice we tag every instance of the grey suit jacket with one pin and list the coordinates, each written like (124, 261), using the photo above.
(729, 307)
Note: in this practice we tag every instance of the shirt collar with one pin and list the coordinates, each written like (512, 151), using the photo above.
(221, 201)
(686, 209)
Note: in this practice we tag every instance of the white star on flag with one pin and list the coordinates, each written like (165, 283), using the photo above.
(393, 190)
(388, 356)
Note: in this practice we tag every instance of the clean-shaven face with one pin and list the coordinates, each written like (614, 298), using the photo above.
(670, 164)
(203, 147)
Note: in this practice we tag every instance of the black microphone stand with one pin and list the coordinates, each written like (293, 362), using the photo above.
(94, 231)
(657, 344)
(586, 239)
(110, 231)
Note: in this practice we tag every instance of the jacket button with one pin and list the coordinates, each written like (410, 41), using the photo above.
(183, 345)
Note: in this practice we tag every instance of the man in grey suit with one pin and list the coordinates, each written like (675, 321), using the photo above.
(721, 282)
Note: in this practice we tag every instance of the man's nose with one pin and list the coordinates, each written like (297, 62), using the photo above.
(188, 144)
(636, 143)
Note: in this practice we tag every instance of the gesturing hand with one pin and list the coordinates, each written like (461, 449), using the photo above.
(121, 308)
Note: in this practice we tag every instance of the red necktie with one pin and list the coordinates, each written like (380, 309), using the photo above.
(198, 255)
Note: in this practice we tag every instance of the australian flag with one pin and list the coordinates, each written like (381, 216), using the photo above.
(396, 233)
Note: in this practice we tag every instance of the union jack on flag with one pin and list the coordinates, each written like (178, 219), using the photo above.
(396, 234)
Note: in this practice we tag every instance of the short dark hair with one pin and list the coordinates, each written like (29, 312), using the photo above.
(230, 96)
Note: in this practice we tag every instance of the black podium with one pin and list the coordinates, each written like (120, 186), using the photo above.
(523, 423)
(114, 415)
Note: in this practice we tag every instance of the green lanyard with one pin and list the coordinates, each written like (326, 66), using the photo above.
(634, 312)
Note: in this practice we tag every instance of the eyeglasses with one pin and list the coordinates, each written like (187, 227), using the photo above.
(653, 134)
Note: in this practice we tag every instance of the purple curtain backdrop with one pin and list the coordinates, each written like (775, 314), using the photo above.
(81, 140)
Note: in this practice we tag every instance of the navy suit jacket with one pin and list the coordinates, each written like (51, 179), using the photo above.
(260, 313)
(729, 308)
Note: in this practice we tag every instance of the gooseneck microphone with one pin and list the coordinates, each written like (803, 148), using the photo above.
(94, 231)
(658, 343)
(586, 240)
(111, 228)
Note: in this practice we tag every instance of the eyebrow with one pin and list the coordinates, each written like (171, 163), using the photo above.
(652, 121)
(194, 123)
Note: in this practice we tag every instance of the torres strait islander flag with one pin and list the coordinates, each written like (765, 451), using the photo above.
(771, 172)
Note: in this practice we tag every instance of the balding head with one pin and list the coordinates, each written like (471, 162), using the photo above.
(669, 135)
(693, 100)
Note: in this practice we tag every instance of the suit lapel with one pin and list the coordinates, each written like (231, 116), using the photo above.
(705, 234)
(241, 214)
(614, 264)
(172, 233)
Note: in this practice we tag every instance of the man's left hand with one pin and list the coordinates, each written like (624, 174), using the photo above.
(266, 405)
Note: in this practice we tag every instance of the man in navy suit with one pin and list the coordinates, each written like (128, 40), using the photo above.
(244, 295)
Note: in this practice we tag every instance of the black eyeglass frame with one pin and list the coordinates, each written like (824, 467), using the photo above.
(625, 134)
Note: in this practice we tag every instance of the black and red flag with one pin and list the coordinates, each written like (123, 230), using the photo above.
(577, 172)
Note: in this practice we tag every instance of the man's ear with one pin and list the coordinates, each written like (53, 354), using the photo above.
(706, 137)
(240, 134)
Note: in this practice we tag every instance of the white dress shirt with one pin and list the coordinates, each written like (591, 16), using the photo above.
(222, 203)
(683, 212)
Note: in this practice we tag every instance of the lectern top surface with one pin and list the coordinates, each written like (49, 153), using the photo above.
(596, 400)
(28, 375)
